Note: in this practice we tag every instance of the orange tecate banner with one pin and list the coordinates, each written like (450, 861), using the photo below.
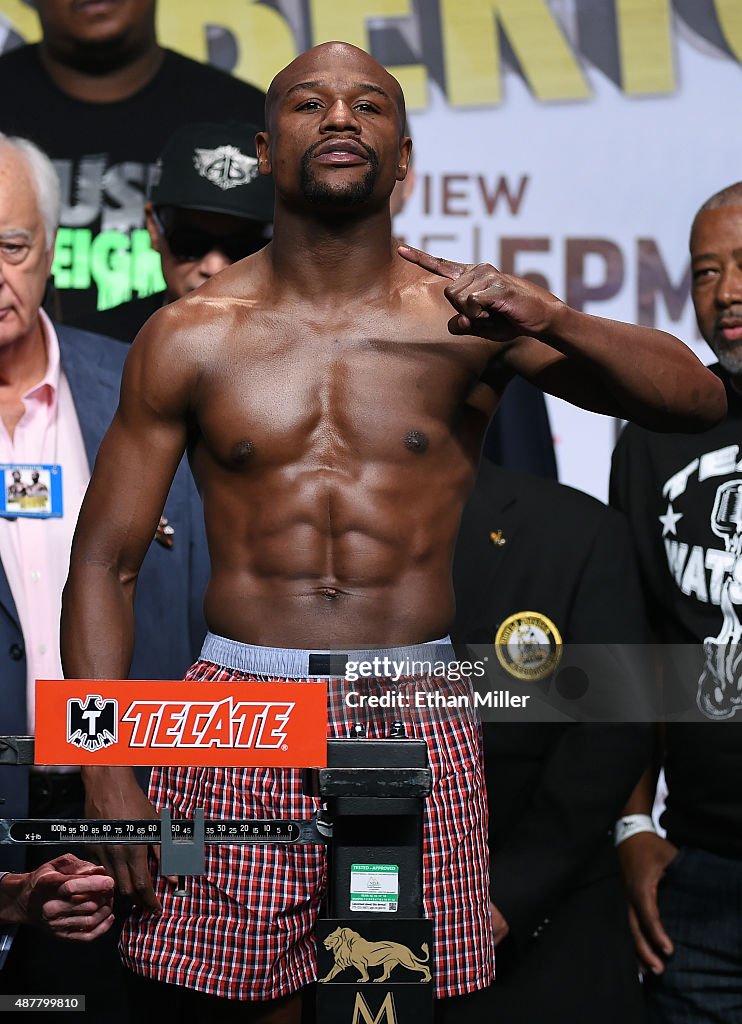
(151, 722)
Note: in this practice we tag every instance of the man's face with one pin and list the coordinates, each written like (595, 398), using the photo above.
(334, 132)
(86, 22)
(195, 244)
(25, 262)
(716, 267)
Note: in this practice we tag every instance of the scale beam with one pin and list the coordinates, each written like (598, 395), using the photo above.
(47, 832)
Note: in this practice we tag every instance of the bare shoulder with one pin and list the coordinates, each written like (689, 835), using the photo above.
(167, 359)
(183, 340)
(422, 290)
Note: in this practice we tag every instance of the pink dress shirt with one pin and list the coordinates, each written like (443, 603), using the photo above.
(35, 553)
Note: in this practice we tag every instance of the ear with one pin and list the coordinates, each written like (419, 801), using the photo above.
(154, 234)
(262, 147)
(405, 155)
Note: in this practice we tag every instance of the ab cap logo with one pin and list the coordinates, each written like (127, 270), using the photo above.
(92, 724)
(226, 166)
(528, 645)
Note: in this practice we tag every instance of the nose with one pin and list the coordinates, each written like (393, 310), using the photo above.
(212, 263)
(729, 287)
(340, 117)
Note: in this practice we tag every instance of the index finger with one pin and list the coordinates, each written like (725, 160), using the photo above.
(435, 264)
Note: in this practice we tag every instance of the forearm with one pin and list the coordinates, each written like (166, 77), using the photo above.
(638, 373)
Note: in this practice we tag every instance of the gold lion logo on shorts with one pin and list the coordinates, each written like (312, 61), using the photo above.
(528, 645)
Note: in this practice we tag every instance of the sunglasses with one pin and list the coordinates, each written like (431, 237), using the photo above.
(189, 244)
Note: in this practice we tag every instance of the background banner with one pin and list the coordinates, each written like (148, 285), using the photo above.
(570, 141)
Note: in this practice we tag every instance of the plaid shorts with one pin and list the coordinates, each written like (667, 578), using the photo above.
(245, 931)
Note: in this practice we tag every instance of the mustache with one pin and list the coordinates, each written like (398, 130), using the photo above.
(729, 318)
(368, 150)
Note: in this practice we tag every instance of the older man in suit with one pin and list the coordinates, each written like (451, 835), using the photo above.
(58, 390)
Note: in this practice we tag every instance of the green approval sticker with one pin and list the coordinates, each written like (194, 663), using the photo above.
(374, 888)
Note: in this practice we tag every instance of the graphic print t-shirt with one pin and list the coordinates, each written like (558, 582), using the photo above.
(104, 154)
(682, 494)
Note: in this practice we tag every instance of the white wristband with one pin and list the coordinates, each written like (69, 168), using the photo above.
(630, 826)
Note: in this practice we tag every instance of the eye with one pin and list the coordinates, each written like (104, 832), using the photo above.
(366, 107)
(703, 273)
(309, 105)
(14, 252)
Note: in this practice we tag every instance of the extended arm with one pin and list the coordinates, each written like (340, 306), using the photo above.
(133, 472)
(634, 373)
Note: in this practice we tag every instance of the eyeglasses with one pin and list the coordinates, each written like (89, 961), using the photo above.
(188, 244)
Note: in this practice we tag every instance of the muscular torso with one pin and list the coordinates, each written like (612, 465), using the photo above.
(333, 451)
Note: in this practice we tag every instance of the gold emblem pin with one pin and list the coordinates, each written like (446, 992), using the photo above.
(497, 537)
(528, 645)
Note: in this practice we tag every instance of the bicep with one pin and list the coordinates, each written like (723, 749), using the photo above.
(557, 374)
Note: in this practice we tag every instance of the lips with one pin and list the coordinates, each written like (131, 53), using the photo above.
(341, 152)
(95, 6)
(730, 329)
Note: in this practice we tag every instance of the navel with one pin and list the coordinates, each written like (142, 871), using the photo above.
(416, 441)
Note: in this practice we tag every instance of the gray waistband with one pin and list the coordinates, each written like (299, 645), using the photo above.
(299, 664)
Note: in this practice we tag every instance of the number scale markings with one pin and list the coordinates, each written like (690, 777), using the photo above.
(34, 831)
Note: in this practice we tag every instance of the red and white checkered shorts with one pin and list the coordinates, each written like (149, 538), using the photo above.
(245, 931)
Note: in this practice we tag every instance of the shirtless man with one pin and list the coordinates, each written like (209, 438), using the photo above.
(333, 411)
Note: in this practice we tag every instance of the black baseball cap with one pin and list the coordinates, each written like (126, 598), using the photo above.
(213, 167)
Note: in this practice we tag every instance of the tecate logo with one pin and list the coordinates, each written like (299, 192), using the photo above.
(91, 724)
(260, 725)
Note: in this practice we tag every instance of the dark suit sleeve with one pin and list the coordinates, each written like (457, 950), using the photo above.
(519, 436)
(590, 770)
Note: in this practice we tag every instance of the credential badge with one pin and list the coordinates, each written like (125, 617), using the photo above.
(528, 645)
(226, 167)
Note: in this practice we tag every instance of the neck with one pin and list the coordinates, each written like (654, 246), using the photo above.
(111, 74)
(23, 363)
(315, 255)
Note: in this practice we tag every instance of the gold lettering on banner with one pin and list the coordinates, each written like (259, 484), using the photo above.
(471, 53)
(729, 13)
(645, 46)
(386, 1015)
(265, 42)
(348, 20)
(22, 18)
